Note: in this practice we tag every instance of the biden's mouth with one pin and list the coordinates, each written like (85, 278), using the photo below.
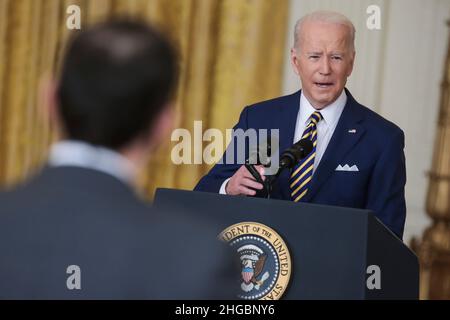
(323, 84)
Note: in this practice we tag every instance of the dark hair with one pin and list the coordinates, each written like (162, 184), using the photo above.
(116, 77)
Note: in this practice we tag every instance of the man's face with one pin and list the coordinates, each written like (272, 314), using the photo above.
(323, 61)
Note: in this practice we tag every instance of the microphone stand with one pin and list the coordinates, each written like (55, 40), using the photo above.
(270, 180)
(288, 159)
(267, 183)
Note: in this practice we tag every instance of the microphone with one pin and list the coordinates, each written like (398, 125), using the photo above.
(290, 157)
(260, 154)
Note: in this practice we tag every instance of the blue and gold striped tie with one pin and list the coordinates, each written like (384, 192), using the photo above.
(302, 173)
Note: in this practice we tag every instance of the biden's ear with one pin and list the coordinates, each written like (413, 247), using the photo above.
(295, 61)
(352, 62)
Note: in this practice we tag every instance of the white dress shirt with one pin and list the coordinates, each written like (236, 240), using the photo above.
(80, 154)
(325, 127)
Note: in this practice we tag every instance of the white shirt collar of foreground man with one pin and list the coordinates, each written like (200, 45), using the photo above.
(83, 155)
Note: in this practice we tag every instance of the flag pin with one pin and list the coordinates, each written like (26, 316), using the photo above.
(352, 131)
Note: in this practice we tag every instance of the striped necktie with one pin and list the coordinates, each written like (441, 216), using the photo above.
(302, 173)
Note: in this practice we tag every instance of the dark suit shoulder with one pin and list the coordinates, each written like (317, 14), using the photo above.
(125, 247)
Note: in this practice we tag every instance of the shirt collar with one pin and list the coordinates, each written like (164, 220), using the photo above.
(330, 113)
(84, 155)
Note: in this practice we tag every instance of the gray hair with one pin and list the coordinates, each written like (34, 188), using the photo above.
(325, 16)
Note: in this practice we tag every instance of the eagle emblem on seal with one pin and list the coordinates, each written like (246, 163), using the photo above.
(252, 260)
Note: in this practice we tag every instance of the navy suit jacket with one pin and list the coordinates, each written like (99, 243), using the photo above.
(373, 144)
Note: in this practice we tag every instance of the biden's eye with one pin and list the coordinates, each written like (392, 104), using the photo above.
(336, 57)
(313, 57)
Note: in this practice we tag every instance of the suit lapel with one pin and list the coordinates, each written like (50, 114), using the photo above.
(288, 119)
(340, 144)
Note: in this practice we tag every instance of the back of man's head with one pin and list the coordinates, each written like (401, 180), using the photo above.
(116, 78)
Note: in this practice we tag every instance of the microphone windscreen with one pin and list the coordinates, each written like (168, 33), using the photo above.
(305, 146)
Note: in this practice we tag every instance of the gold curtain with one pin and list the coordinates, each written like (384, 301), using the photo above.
(231, 56)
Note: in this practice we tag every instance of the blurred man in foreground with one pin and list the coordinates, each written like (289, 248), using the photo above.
(77, 230)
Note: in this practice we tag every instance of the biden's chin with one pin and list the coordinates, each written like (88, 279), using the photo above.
(322, 98)
(319, 101)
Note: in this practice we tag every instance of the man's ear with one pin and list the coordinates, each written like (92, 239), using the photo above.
(163, 125)
(352, 62)
(294, 61)
(48, 101)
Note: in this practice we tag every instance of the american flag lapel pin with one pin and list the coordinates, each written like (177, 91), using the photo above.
(352, 131)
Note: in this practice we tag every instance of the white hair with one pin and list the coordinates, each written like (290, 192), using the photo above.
(325, 16)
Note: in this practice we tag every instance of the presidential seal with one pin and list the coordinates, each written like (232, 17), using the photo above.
(265, 262)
